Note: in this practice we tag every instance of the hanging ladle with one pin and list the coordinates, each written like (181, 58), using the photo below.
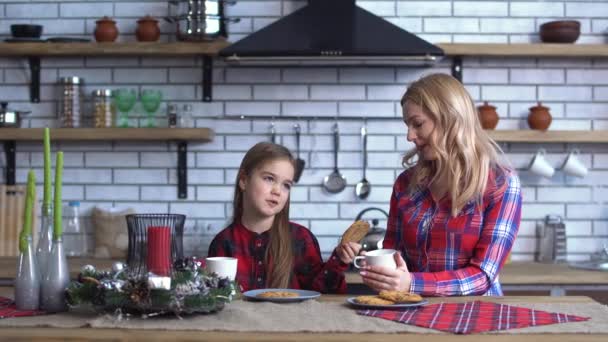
(335, 182)
(300, 163)
(363, 188)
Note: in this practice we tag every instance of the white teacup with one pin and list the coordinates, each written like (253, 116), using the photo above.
(573, 166)
(540, 166)
(222, 266)
(379, 257)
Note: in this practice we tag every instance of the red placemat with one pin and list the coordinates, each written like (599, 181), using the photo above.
(9, 309)
(472, 317)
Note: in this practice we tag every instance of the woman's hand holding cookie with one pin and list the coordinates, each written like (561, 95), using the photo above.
(382, 278)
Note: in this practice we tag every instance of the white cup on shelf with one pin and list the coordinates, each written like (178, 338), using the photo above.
(573, 165)
(540, 166)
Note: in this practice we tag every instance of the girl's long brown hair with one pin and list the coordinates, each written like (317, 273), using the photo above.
(279, 255)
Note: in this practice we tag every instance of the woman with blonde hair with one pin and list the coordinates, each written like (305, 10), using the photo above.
(273, 252)
(455, 212)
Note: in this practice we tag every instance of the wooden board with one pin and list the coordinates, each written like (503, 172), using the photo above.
(12, 206)
(525, 50)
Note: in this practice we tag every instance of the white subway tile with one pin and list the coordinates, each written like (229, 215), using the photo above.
(163, 159)
(141, 75)
(337, 92)
(198, 176)
(537, 76)
(310, 75)
(70, 159)
(350, 211)
(131, 146)
(385, 92)
(452, 25)
(600, 161)
(578, 228)
(524, 245)
(244, 143)
(481, 9)
(586, 211)
(507, 25)
(571, 125)
(146, 207)
(164, 192)
(280, 92)
(379, 8)
(586, 9)
(527, 228)
(506, 93)
(86, 10)
(140, 176)
(486, 75)
(412, 25)
(253, 75)
(313, 211)
(584, 245)
(600, 228)
(112, 193)
(310, 108)
(232, 92)
(226, 126)
(424, 8)
(539, 211)
(187, 75)
(135, 9)
(111, 159)
(227, 159)
(253, 108)
(256, 8)
(587, 77)
(486, 38)
(32, 10)
(199, 210)
(86, 176)
(366, 75)
(536, 9)
(564, 194)
(215, 193)
(330, 227)
(366, 109)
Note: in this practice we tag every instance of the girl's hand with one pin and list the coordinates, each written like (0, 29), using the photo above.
(381, 278)
(348, 251)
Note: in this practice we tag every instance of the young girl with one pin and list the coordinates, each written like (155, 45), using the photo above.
(455, 212)
(271, 251)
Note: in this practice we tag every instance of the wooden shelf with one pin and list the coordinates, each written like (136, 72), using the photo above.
(112, 49)
(549, 136)
(20, 134)
(525, 50)
(212, 48)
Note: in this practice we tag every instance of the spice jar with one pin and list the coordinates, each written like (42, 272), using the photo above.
(103, 110)
(70, 101)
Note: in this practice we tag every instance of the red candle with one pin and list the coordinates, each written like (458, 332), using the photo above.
(159, 250)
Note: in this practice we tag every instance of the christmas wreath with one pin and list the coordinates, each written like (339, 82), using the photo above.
(191, 289)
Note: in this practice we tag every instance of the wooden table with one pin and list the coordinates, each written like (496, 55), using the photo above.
(91, 334)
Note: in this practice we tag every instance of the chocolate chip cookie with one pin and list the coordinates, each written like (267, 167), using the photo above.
(400, 297)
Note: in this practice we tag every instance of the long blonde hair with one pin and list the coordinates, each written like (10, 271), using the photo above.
(279, 254)
(465, 153)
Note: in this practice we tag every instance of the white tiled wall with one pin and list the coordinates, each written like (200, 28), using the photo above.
(143, 176)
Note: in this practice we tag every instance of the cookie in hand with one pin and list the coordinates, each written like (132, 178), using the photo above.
(355, 232)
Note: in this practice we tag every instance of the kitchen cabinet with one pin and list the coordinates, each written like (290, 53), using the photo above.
(180, 135)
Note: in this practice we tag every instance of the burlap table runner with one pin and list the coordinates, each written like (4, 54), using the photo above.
(309, 316)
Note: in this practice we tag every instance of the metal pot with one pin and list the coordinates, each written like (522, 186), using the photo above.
(374, 238)
(198, 20)
(10, 118)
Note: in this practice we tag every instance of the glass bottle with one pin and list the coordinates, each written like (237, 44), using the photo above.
(56, 280)
(27, 281)
(70, 102)
(103, 109)
(43, 249)
(172, 115)
(73, 228)
(186, 119)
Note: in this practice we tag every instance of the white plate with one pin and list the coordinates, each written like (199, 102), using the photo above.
(302, 295)
(352, 302)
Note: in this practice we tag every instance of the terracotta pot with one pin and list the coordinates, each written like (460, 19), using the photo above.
(106, 30)
(147, 29)
(539, 117)
(488, 116)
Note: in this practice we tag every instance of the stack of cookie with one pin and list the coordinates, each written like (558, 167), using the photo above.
(389, 298)
(356, 232)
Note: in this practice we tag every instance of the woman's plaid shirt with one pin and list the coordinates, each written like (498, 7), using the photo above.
(455, 256)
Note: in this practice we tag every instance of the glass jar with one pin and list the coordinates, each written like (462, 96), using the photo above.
(70, 109)
(103, 109)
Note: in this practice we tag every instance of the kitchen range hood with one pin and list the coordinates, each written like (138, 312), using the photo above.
(331, 32)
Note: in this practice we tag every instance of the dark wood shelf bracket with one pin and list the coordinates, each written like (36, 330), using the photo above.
(457, 68)
(10, 147)
(207, 78)
(35, 79)
(182, 169)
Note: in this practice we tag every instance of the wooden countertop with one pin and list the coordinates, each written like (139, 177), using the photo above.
(512, 274)
(519, 273)
(58, 334)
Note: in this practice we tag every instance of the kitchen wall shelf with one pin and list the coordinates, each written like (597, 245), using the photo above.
(531, 136)
(10, 136)
(34, 51)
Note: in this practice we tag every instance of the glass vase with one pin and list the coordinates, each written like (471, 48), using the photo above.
(56, 280)
(45, 239)
(27, 281)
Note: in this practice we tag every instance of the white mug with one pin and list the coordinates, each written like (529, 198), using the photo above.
(222, 266)
(540, 166)
(573, 166)
(379, 257)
